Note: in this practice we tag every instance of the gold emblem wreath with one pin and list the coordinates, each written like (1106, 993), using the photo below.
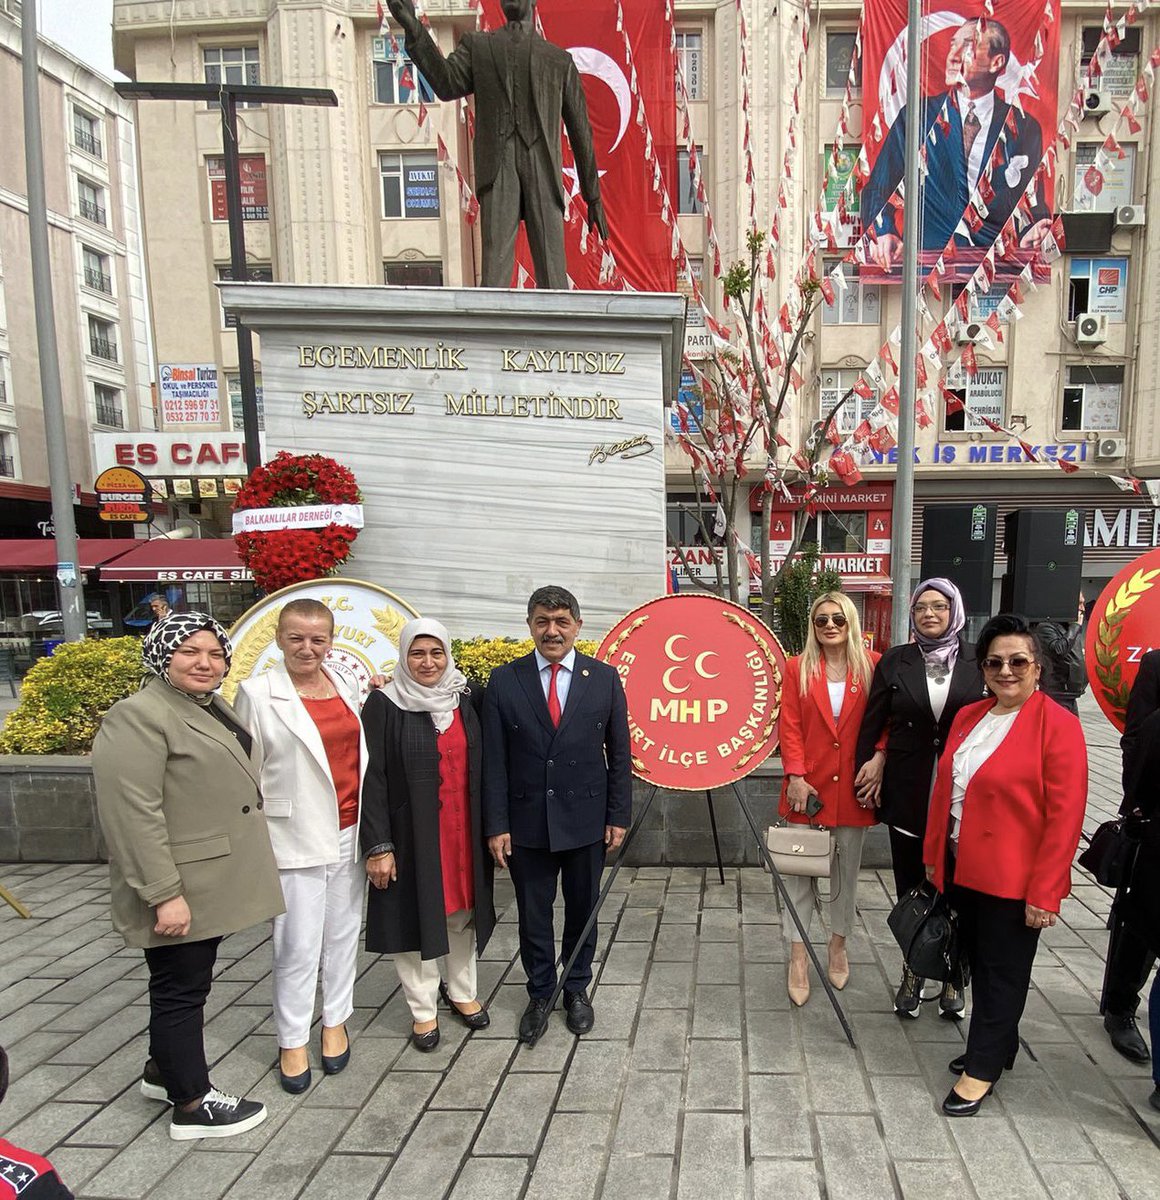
(1108, 631)
(249, 650)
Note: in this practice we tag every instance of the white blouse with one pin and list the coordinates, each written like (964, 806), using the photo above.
(837, 695)
(978, 746)
(937, 690)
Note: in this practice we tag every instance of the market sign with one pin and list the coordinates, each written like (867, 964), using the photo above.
(189, 394)
(702, 677)
(123, 495)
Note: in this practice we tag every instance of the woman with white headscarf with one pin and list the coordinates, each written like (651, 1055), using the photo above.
(421, 829)
(917, 690)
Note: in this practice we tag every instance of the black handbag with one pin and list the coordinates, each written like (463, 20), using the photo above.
(927, 930)
(1111, 851)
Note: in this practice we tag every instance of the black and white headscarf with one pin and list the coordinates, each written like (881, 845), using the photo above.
(162, 641)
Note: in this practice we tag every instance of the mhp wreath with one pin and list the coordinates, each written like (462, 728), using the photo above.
(284, 519)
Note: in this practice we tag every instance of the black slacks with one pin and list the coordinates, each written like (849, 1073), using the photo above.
(534, 875)
(1001, 949)
(1130, 962)
(179, 981)
(906, 861)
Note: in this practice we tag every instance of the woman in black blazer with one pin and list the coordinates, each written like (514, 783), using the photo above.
(917, 690)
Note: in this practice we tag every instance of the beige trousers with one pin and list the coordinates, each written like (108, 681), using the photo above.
(420, 976)
(803, 890)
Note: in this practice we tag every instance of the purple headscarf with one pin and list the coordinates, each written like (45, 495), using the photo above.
(944, 649)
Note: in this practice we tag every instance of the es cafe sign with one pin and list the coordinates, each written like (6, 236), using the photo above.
(157, 455)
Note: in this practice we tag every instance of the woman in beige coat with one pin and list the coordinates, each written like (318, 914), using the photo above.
(189, 854)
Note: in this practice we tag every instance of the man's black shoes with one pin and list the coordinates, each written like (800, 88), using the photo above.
(534, 1019)
(1126, 1037)
(581, 1018)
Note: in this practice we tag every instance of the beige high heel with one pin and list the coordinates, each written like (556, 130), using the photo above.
(798, 980)
(838, 967)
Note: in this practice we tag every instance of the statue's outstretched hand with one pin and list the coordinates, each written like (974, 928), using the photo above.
(596, 217)
(404, 13)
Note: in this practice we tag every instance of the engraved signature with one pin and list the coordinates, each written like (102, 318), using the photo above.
(632, 447)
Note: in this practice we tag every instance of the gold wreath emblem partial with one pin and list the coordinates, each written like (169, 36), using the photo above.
(247, 652)
(1108, 631)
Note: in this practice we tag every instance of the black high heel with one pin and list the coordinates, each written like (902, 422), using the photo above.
(958, 1106)
(475, 1020)
(332, 1064)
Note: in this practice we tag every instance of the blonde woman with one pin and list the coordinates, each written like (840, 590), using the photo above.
(822, 703)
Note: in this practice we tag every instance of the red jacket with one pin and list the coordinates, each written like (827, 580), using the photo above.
(814, 747)
(1023, 809)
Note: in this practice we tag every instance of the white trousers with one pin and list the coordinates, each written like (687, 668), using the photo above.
(803, 890)
(420, 976)
(320, 927)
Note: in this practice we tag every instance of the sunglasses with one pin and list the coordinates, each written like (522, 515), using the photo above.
(824, 619)
(1020, 664)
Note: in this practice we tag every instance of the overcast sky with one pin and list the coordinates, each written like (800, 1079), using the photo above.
(82, 27)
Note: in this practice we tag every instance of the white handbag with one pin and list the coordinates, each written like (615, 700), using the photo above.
(800, 850)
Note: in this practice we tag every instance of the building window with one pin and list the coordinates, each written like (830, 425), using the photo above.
(91, 199)
(843, 533)
(232, 64)
(255, 273)
(102, 339)
(4, 399)
(397, 79)
(836, 383)
(234, 387)
(839, 52)
(98, 274)
(108, 401)
(1097, 285)
(691, 61)
(251, 184)
(410, 185)
(417, 273)
(859, 304)
(687, 199)
(1118, 74)
(1119, 178)
(1092, 397)
(685, 529)
(87, 133)
(985, 395)
(7, 455)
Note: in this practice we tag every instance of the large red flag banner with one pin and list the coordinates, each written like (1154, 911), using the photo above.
(641, 242)
(988, 108)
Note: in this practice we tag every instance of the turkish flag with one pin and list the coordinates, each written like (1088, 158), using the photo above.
(642, 243)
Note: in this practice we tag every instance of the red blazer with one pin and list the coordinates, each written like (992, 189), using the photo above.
(814, 747)
(1023, 809)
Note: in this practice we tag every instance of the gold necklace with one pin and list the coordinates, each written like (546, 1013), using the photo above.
(326, 692)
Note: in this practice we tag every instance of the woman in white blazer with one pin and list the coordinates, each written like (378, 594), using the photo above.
(314, 761)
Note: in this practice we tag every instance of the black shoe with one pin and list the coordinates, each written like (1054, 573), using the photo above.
(955, 1106)
(958, 1065)
(534, 1018)
(580, 1018)
(475, 1020)
(1126, 1037)
(295, 1085)
(332, 1064)
(908, 999)
(152, 1085)
(217, 1116)
(1154, 1099)
(425, 1041)
(951, 1004)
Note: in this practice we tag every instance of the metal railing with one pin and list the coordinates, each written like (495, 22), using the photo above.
(103, 347)
(3, 392)
(109, 413)
(86, 141)
(7, 466)
(91, 211)
(98, 280)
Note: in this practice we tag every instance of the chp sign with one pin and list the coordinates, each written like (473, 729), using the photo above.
(702, 678)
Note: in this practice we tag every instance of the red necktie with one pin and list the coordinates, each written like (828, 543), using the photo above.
(554, 710)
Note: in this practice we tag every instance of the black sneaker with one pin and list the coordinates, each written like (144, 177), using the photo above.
(908, 999)
(152, 1085)
(951, 1004)
(217, 1116)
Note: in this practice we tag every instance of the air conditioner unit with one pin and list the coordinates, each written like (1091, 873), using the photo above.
(971, 332)
(1096, 103)
(1091, 329)
(1129, 216)
(1111, 447)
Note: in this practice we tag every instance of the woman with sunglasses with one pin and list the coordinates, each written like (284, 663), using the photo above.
(823, 699)
(1004, 823)
(917, 690)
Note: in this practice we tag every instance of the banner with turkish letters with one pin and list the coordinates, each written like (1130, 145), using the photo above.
(615, 90)
(988, 109)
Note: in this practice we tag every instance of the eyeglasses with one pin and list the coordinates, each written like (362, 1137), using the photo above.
(920, 610)
(824, 619)
(1020, 664)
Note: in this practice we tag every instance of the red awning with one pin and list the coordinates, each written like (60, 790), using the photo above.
(179, 560)
(38, 555)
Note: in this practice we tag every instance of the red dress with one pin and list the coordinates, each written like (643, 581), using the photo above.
(455, 819)
(339, 730)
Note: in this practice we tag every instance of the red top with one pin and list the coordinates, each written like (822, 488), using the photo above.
(455, 819)
(339, 728)
(813, 745)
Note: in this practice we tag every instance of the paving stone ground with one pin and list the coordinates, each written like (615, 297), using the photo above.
(698, 1082)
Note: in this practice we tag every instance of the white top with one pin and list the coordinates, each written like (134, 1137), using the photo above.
(563, 676)
(976, 748)
(984, 109)
(837, 695)
(937, 691)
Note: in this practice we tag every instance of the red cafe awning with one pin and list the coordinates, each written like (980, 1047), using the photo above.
(37, 556)
(178, 560)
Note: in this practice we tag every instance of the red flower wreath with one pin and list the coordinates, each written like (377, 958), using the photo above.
(280, 557)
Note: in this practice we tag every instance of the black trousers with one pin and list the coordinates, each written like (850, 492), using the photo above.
(1130, 961)
(534, 876)
(906, 860)
(179, 981)
(1001, 949)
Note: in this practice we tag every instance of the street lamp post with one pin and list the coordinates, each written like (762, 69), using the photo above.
(228, 96)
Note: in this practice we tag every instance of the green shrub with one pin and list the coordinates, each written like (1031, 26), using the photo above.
(801, 585)
(65, 695)
(480, 656)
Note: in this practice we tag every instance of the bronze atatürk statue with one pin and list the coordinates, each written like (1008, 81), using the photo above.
(524, 86)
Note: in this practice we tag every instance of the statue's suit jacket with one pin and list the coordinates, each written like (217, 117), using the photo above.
(479, 65)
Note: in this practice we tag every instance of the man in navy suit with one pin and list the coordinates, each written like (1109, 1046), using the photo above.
(557, 794)
(978, 56)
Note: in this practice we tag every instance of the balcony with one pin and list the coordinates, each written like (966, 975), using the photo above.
(7, 466)
(92, 211)
(103, 347)
(109, 413)
(98, 280)
(84, 140)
